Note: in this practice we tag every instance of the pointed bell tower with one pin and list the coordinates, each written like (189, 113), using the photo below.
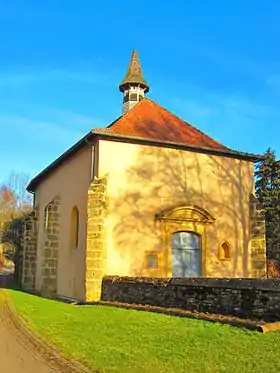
(133, 86)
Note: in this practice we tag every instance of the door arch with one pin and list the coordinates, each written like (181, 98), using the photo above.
(186, 218)
(186, 254)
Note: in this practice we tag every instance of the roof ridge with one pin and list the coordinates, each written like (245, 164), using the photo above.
(120, 117)
(127, 112)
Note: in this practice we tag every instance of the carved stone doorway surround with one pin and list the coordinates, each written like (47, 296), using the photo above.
(188, 218)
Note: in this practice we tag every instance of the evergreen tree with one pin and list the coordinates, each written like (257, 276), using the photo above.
(268, 193)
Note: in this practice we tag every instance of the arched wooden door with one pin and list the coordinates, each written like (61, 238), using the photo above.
(186, 254)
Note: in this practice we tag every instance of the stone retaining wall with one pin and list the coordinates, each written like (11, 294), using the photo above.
(246, 298)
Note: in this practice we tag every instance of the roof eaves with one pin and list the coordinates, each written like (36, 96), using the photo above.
(202, 149)
(66, 155)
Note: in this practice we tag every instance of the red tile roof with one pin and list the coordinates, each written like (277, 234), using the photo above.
(149, 120)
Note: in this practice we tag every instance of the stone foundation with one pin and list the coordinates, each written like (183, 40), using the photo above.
(50, 249)
(245, 298)
(29, 256)
(258, 241)
(96, 247)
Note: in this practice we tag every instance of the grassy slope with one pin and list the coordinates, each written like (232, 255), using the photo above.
(117, 340)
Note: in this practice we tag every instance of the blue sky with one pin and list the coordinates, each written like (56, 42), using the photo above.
(215, 64)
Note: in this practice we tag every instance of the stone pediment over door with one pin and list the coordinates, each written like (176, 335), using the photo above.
(190, 213)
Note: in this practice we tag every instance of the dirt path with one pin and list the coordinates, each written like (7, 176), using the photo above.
(16, 354)
(20, 352)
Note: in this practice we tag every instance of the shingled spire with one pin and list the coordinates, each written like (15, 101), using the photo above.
(133, 86)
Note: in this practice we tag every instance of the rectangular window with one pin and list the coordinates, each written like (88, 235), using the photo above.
(152, 261)
(133, 97)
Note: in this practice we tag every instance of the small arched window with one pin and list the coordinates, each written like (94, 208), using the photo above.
(74, 229)
(47, 216)
(224, 251)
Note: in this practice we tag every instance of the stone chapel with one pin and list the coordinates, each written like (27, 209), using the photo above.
(149, 195)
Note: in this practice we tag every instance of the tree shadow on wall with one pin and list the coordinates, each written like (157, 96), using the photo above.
(164, 178)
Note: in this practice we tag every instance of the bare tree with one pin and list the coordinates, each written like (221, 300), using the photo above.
(17, 183)
(8, 202)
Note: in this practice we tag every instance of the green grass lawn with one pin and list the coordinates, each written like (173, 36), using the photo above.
(127, 341)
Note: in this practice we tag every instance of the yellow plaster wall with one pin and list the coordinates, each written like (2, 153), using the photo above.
(143, 180)
(71, 181)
